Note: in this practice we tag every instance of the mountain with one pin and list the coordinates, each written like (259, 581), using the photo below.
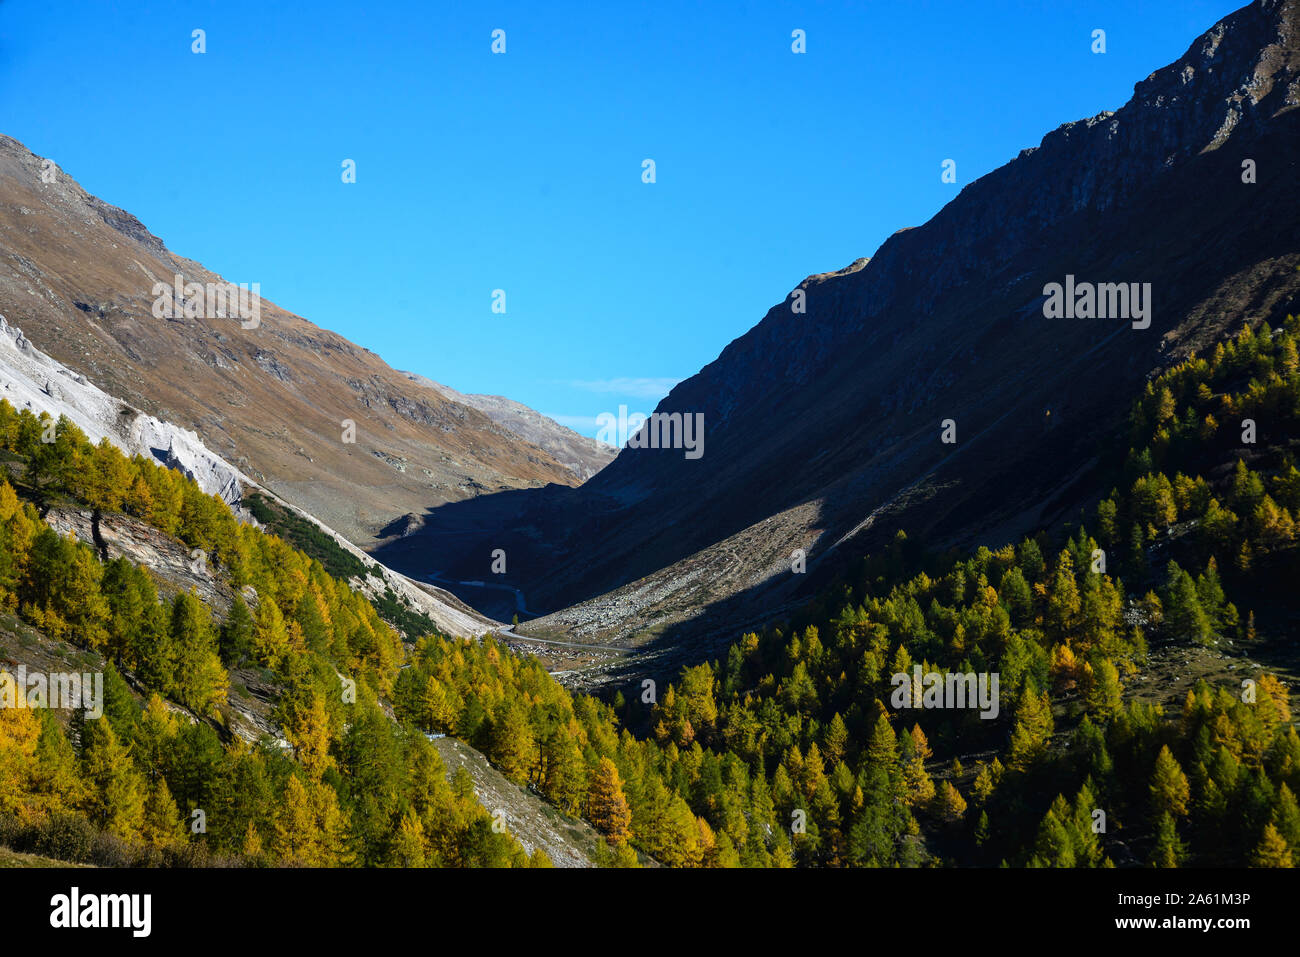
(78, 275)
(182, 689)
(31, 380)
(827, 426)
(582, 456)
(154, 609)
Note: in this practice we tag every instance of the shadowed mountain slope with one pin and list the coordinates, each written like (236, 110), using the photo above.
(826, 425)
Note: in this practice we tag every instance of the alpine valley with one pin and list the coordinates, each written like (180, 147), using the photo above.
(958, 546)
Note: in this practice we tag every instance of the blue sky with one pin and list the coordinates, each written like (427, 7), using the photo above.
(523, 171)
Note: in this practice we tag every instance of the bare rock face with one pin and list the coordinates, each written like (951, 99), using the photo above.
(825, 426)
(31, 380)
(121, 536)
(79, 276)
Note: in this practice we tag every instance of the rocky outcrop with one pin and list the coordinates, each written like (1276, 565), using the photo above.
(121, 536)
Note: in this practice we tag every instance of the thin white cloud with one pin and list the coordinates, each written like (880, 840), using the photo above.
(641, 388)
